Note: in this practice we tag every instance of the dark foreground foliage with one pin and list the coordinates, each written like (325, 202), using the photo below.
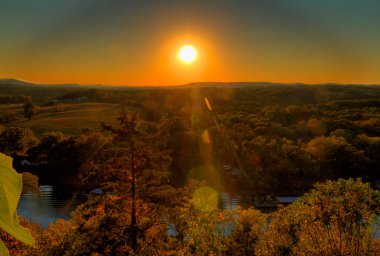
(335, 218)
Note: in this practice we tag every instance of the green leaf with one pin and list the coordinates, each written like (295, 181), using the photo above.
(10, 191)
(3, 249)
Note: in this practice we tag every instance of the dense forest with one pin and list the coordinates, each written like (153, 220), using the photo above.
(162, 154)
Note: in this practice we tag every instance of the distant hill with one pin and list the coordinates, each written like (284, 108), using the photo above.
(15, 91)
(235, 84)
(12, 81)
(263, 84)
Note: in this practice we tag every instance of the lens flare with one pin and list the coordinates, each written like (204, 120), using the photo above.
(205, 198)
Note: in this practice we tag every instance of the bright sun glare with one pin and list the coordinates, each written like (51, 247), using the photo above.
(187, 54)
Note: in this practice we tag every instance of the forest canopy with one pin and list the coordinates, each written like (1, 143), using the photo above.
(179, 147)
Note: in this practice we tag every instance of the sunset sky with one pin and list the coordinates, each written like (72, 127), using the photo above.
(120, 42)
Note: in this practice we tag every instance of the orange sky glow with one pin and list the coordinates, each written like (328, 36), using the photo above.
(130, 43)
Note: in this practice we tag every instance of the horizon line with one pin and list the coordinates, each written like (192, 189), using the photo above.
(185, 84)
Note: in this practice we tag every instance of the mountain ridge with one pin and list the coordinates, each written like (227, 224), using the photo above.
(19, 82)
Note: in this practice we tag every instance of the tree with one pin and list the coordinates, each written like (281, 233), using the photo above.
(336, 157)
(197, 226)
(336, 218)
(128, 134)
(246, 232)
(371, 146)
(7, 117)
(48, 142)
(317, 127)
(15, 140)
(135, 174)
(67, 156)
(29, 108)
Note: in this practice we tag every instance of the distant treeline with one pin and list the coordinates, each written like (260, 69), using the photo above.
(281, 139)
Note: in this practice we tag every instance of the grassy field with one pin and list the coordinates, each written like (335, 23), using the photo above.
(67, 118)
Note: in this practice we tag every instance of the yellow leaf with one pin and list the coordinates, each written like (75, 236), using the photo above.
(10, 191)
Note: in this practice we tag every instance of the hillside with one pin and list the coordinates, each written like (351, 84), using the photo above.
(15, 91)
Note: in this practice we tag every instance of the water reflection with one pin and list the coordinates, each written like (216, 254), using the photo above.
(229, 201)
(54, 201)
(51, 203)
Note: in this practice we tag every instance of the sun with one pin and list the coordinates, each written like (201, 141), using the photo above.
(187, 54)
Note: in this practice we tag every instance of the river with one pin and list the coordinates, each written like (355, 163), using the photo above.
(57, 201)
(51, 203)
(54, 201)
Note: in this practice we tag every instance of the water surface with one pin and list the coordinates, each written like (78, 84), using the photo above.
(51, 203)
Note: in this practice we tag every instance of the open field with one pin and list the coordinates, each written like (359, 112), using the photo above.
(67, 118)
